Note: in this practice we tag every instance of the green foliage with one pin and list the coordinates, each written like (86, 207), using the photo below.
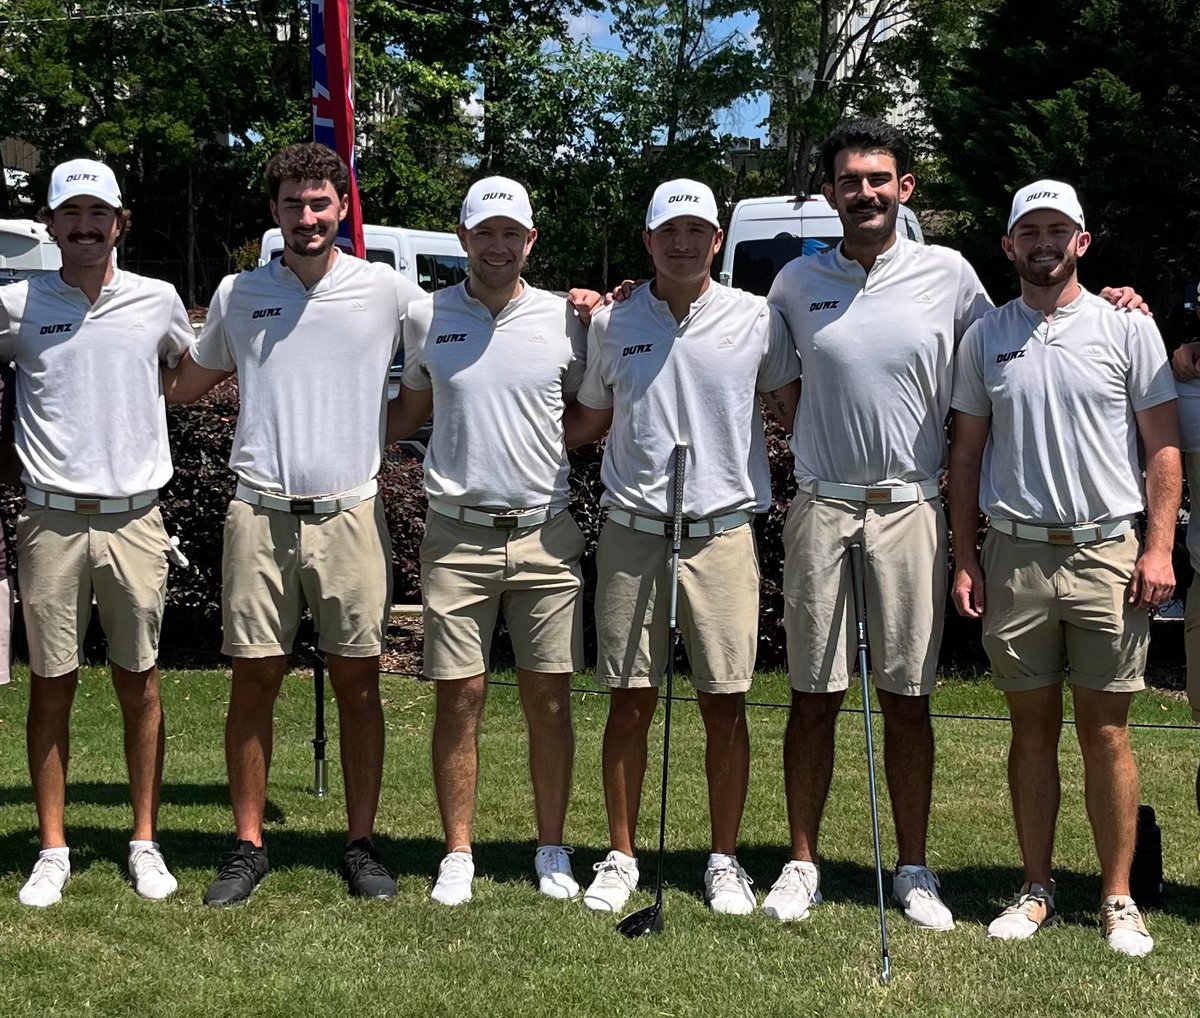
(1104, 94)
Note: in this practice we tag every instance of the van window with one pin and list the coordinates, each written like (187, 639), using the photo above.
(376, 254)
(435, 272)
(756, 263)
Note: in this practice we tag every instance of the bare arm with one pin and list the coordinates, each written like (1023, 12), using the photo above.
(968, 436)
(1126, 298)
(188, 381)
(1185, 362)
(1154, 577)
(781, 403)
(583, 425)
(407, 413)
(584, 303)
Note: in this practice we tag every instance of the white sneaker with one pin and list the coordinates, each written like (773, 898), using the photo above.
(50, 875)
(616, 878)
(916, 890)
(1123, 926)
(794, 892)
(148, 870)
(1032, 909)
(552, 863)
(727, 887)
(453, 885)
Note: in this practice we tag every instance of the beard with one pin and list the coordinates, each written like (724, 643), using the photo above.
(496, 277)
(299, 246)
(1046, 273)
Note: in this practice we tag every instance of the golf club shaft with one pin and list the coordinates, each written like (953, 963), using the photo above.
(672, 637)
(860, 621)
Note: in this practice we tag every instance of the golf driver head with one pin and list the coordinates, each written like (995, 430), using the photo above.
(645, 922)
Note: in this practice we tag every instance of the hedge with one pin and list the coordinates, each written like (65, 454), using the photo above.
(195, 500)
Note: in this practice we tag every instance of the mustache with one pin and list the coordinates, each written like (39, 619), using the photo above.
(868, 205)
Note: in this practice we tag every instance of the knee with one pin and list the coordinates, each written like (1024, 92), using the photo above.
(52, 696)
(814, 714)
(723, 713)
(137, 691)
(460, 701)
(906, 715)
(1106, 741)
(631, 712)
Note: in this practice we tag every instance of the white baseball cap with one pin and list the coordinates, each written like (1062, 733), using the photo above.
(681, 197)
(496, 196)
(1046, 194)
(83, 177)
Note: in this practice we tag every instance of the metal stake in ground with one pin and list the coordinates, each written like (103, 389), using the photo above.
(318, 742)
(646, 921)
(860, 622)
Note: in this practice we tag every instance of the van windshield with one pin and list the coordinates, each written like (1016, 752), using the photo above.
(756, 263)
(436, 272)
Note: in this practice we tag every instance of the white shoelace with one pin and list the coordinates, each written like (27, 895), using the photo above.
(1125, 917)
(144, 858)
(613, 874)
(456, 866)
(729, 877)
(43, 870)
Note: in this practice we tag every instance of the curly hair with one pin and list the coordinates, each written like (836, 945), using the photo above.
(308, 160)
(867, 134)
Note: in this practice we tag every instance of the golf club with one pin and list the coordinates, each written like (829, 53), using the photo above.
(860, 622)
(646, 921)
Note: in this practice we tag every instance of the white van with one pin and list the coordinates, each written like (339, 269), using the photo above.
(766, 233)
(431, 260)
(26, 248)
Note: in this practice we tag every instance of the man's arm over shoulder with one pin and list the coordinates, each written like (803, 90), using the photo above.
(407, 413)
(208, 360)
(589, 416)
(779, 374)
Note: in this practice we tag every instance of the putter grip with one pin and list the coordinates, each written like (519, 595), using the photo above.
(680, 468)
(856, 582)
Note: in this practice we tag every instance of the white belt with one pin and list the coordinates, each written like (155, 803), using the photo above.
(308, 506)
(1079, 533)
(516, 519)
(89, 506)
(879, 494)
(691, 528)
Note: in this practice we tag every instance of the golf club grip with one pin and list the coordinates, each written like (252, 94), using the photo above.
(860, 597)
(677, 513)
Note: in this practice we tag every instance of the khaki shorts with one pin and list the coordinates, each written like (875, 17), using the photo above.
(469, 574)
(275, 562)
(905, 549)
(1048, 606)
(64, 557)
(717, 608)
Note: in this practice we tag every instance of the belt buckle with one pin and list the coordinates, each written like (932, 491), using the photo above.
(879, 495)
(301, 506)
(505, 521)
(1060, 537)
(87, 506)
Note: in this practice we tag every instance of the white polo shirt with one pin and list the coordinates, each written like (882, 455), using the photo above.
(312, 370)
(1189, 415)
(90, 415)
(877, 352)
(500, 387)
(1062, 394)
(695, 381)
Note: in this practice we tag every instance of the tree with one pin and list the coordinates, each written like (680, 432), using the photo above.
(1103, 94)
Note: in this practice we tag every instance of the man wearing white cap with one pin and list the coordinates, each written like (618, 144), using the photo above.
(876, 321)
(1052, 393)
(684, 359)
(497, 361)
(91, 432)
(311, 337)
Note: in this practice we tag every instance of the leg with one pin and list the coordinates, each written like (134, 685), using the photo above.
(145, 739)
(47, 733)
(630, 713)
(908, 763)
(1110, 782)
(1033, 776)
(248, 740)
(355, 682)
(456, 755)
(726, 765)
(808, 751)
(546, 702)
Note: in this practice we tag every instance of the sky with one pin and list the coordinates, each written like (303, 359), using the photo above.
(741, 120)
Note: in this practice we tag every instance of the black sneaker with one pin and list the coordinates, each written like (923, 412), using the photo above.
(240, 872)
(365, 874)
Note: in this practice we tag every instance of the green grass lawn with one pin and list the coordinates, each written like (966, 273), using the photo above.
(301, 947)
